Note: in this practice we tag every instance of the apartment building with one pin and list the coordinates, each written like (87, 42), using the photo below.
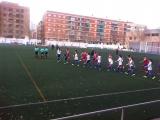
(71, 27)
(152, 35)
(14, 20)
(134, 33)
(39, 31)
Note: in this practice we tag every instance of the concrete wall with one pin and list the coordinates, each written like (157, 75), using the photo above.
(19, 41)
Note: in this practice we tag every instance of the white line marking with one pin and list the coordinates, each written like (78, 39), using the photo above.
(92, 96)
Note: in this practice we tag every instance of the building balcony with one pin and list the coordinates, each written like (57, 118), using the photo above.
(71, 24)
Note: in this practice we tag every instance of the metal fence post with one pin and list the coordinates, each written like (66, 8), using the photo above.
(122, 115)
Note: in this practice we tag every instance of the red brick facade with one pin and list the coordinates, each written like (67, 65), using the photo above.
(64, 26)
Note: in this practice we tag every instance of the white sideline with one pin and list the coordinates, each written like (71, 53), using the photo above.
(106, 110)
(60, 100)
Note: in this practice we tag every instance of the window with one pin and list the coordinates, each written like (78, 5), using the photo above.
(21, 32)
(10, 25)
(17, 26)
(4, 8)
(54, 20)
(130, 38)
(17, 10)
(22, 16)
(49, 19)
(49, 14)
(17, 21)
(17, 31)
(4, 31)
(21, 21)
(87, 20)
(10, 20)
(21, 27)
(49, 24)
(10, 15)
(18, 15)
(4, 14)
(155, 34)
(147, 35)
(5, 20)
(59, 16)
(54, 15)
(9, 9)
(4, 25)
(135, 38)
(22, 11)
(10, 31)
(63, 16)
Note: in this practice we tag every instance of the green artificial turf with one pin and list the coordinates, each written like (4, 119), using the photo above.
(24, 79)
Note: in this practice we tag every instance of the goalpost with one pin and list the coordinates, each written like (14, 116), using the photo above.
(16, 42)
(150, 47)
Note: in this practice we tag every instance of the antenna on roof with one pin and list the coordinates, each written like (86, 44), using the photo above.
(92, 14)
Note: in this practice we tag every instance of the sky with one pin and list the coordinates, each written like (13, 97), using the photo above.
(145, 12)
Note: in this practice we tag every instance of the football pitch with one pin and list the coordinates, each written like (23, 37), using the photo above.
(43, 89)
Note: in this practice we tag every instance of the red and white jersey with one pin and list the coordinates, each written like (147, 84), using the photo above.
(110, 56)
(120, 61)
(145, 61)
(83, 54)
(95, 56)
(99, 59)
(68, 52)
(110, 61)
(88, 57)
(149, 66)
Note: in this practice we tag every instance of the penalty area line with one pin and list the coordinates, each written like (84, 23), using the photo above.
(76, 98)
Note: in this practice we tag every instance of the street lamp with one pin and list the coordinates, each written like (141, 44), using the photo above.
(48, 33)
(87, 38)
(58, 34)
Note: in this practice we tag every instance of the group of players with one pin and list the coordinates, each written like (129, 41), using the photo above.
(43, 52)
(95, 58)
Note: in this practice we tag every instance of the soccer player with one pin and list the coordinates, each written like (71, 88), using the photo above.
(83, 56)
(99, 62)
(120, 62)
(159, 67)
(94, 58)
(68, 54)
(46, 52)
(131, 66)
(110, 55)
(52, 46)
(65, 57)
(145, 62)
(110, 63)
(149, 71)
(75, 58)
(116, 51)
(57, 46)
(88, 61)
(36, 52)
(42, 52)
(92, 52)
(58, 54)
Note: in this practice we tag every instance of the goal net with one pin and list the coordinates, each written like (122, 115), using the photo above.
(150, 47)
